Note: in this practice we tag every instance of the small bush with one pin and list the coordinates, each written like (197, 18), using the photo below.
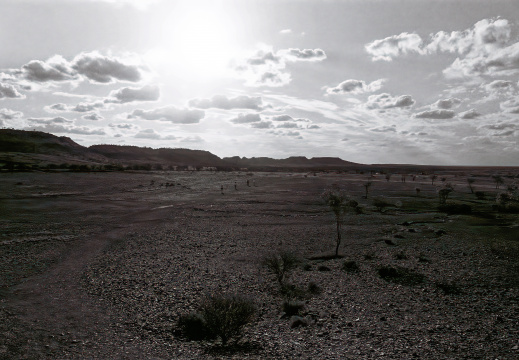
(381, 204)
(313, 288)
(423, 259)
(226, 315)
(280, 264)
(292, 307)
(448, 288)
(323, 268)
(480, 195)
(455, 209)
(307, 267)
(369, 256)
(192, 326)
(350, 266)
(400, 256)
(291, 291)
(401, 275)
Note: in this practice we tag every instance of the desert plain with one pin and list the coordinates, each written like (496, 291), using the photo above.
(101, 265)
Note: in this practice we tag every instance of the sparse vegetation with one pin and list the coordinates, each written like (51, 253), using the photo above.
(350, 266)
(339, 203)
(471, 181)
(367, 185)
(400, 275)
(281, 264)
(292, 307)
(224, 316)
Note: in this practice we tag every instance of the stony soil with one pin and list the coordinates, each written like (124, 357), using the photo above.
(101, 266)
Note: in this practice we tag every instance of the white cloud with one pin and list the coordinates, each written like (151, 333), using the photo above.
(92, 66)
(246, 119)
(151, 134)
(435, 114)
(105, 69)
(303, 55)
(169, 113)
(129, 94)
(485, 48)
(393, 46)
(9, 91)
(222, 102)
(286, 31)
(268, 68)
(7, 114)
(93, 117)
(262, 125)
(447, 103)
(386, 101)
(469, 114)
(352, 86)
(61, 125)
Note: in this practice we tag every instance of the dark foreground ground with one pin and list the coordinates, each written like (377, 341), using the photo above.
(101, 265)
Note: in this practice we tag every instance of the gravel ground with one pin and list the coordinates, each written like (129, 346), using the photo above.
(102, 265)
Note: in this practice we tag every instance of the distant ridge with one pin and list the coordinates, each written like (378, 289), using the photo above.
(43, 148)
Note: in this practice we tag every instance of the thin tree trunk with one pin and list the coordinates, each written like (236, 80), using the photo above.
(338, 237)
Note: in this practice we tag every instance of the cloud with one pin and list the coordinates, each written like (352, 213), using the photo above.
(469, 114)
(286, 31)
(169, 113)
(510, 106)
(222, 102)
(93, 117)
(303, 55)
(268, 68)
(435, 114)
(386, 101)
(56, 107)
(86, 107)
(122, 126)
(61, 125)
(56, 120)
(92, 66)
(105, 69)
(352, 86)
(499, 85)
(246, 119)
(7, 114)
(384, 129)
(485, 48)
(54, 69)
(288, 125)
(447, 103)
(129, 94)
(9, 91)
(147, 134)
(393, 46)
(262, 125)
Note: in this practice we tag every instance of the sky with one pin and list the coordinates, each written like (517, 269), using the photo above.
(369, 81)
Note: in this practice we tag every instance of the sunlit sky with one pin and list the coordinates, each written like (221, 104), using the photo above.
(408, 81)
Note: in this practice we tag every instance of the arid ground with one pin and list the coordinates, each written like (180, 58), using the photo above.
(101, 266)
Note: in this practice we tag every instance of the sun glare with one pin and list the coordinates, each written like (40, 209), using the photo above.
(196, 40)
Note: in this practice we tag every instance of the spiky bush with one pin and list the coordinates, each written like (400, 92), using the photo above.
(225, 316)
(281, 264)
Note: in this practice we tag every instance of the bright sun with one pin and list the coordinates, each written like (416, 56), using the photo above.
(197, 40)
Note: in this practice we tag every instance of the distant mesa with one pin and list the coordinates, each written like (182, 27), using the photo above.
(38, 147)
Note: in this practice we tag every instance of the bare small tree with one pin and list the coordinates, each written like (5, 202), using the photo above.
(433, 177)
(498, 180)
(388, 177)
(471, 181)
(339, 203)
(367, 185)
(444, 192)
